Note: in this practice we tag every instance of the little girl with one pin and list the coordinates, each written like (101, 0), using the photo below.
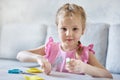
(70, 21)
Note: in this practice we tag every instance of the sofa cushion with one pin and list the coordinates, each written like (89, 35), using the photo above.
(113, 55)
(52, 32)
(96, 33)
(0, 37)
(18, 37)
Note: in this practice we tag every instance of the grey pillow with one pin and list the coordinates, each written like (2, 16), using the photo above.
(18, 37)
(0, 36)
(96, 33)
(113, 55)
(52, 32)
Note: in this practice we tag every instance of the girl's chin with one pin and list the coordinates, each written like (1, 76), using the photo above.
(69, 43)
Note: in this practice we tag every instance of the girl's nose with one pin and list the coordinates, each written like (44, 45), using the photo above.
(68, 33)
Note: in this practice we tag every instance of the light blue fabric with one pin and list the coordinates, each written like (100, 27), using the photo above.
(97, 33)
(19, 37)
(0, 37)
(52, 32)
(113, 55)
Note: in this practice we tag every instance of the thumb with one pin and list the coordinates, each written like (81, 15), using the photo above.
(42, 65)
(72, 62)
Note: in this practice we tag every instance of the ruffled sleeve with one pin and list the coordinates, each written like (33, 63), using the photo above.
(85, 53)
(90, 47)
(51, 50)
(48, 46)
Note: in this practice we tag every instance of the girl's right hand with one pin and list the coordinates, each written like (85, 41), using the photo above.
(45, 64)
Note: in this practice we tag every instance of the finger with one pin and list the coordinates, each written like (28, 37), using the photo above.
(72, 60)
(47, 69)
(69, 68)
(42, 66)
(72, 63)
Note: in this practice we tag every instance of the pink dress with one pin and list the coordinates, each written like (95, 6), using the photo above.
(57, 57)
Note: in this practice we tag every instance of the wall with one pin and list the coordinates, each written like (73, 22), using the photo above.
(25, 11)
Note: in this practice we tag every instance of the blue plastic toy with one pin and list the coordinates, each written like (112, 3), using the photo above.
(15, 71)
(18, 71)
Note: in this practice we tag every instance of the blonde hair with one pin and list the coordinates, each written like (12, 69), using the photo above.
(68, 10)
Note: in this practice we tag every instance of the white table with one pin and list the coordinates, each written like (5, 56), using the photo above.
(5, 65)
(4, 75)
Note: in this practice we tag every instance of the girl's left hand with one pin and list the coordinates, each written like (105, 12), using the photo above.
(45, 64)
(76, 66)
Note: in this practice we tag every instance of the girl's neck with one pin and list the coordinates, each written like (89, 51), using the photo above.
(68, 47)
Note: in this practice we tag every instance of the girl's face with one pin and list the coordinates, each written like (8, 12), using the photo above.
(70, 30)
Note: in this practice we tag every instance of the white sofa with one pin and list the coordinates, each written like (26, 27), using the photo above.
(18, 37)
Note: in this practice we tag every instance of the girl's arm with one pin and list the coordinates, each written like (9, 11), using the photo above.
(31, 55)
(35, 55)
(94, 68)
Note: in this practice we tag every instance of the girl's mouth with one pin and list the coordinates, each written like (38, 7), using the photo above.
(69, 40)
